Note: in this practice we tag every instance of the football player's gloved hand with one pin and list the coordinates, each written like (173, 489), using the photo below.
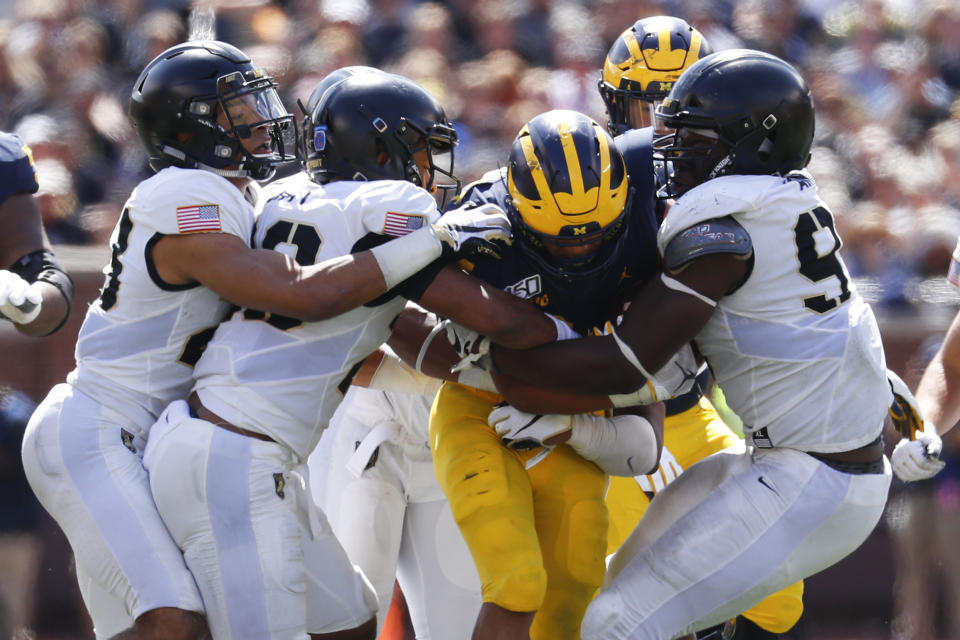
(917, 455)
(19, 300)
(473, 348)
(918, 459)
(474, 229)
(904, 411)
(523, 431)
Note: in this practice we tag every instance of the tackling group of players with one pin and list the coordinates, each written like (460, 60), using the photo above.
(233, 321)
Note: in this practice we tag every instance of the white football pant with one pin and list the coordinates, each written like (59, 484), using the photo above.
(732, 529)
(238, 511)
(87, 471)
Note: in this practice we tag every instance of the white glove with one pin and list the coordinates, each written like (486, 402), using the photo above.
(19, 300)
(918, 459)
(522, 431)
(474, 229)
(473, 348)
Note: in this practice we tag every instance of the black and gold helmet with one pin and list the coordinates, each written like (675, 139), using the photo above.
(642, 66)
(569, 191)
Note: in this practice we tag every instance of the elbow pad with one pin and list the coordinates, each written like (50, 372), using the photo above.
(623, 445)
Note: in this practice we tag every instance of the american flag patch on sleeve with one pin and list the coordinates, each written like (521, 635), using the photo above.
(198, 217)
(400, 224)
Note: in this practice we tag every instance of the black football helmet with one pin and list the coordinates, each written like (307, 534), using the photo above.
(642, 66)
(568, 188)
(178, 96)
(738, 111)
(331, 79)
(369, 125)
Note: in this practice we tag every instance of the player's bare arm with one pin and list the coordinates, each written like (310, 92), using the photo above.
(938, 393)
(22, 236)
(660, 320)
(266, 279)
(492, 312)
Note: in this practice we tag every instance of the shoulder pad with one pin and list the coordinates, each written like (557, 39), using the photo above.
(718, 235)
(491, 187)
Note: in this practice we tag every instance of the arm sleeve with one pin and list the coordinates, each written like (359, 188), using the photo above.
(624, 445)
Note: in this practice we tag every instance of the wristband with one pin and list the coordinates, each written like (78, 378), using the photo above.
(402, 257)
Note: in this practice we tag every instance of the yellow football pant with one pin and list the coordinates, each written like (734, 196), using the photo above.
(688, 437)
(538, 536)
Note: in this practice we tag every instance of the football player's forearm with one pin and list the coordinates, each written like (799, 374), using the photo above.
(938, 393)
(591, 365)
(535, 399)
(54, 311)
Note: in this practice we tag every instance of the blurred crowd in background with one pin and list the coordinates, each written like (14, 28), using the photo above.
(885, 76)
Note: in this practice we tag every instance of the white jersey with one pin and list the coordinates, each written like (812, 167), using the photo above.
(282, 377)
(795, 349)
(142, 336)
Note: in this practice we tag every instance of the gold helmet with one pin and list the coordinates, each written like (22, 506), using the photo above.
(568, 187)
(642, 66)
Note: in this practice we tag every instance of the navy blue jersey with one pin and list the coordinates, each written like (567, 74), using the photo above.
(17, 174)
(585, 303)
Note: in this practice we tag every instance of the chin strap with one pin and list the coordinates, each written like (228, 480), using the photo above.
(226, 173)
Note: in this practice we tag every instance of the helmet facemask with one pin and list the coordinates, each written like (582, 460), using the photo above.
(569, 194)
(249, 103)
(436, 142)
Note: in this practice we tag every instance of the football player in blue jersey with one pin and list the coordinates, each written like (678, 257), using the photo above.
(35, 291)
(536, 524)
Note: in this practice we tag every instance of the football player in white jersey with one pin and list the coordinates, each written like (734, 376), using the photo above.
(752, 274)
(212, 123)
(372, 475)
(227, 465)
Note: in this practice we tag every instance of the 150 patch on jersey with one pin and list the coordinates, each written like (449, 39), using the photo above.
(198, 218)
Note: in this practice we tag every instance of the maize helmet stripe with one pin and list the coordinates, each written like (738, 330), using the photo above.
(562, 174)
(644, 63)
